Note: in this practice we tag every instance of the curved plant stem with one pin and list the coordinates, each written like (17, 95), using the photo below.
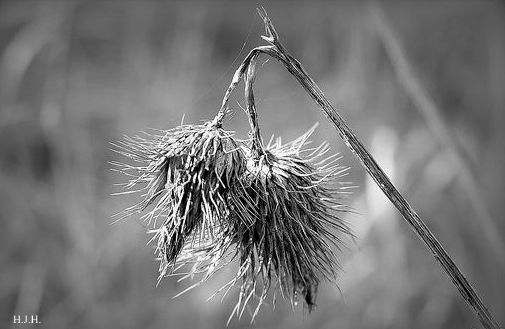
(235, 81)
(257, 145)
(276, 50)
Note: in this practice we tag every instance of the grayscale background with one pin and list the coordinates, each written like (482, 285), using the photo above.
(421, 83)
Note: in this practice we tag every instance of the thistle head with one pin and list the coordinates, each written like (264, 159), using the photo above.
(183, 176)
(283, 225)
(288, 225)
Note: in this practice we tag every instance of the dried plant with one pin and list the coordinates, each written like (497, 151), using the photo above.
(283, 226)
(288, 225)
(213, 199)
(184, 175)
(271, 207)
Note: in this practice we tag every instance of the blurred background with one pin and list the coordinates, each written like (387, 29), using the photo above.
(421, 83)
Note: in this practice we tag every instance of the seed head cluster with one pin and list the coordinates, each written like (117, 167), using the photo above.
(211, 200)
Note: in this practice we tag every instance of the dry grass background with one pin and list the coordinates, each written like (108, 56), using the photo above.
(76, 75)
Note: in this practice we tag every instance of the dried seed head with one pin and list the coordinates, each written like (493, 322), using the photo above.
(283, 226)
(286, 224)
(183, 174)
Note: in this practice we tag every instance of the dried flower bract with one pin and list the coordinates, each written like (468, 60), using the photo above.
(183, 175)
(287, 223)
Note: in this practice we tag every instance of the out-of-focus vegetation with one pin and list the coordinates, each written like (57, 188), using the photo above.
(75, 75)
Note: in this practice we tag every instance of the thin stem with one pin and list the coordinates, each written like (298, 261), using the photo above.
(277, 51)
(257, 145)
(218, 120)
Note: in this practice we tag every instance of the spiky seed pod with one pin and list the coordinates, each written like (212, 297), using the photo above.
(286, 222)
(283, 226)
(184, 174)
